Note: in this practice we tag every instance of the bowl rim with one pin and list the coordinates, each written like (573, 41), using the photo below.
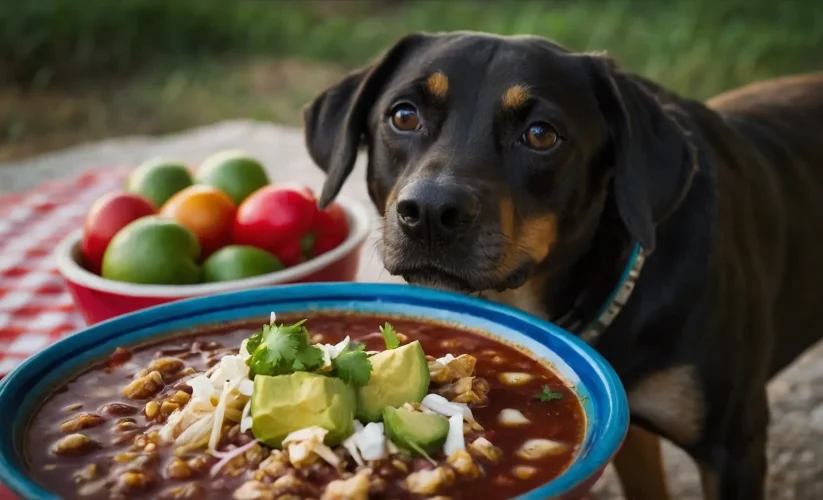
(67, 250)
(612, 420)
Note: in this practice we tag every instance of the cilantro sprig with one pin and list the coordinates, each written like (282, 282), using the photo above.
(390, 336)
(282, 349)
(546, 394)
(353, 365)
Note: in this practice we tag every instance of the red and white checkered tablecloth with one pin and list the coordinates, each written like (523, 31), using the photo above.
(35, 307)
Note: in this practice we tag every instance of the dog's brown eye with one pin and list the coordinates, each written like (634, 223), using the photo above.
(405, 118)
(540, 135)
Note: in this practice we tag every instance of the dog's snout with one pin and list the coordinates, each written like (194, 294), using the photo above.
(435, 212)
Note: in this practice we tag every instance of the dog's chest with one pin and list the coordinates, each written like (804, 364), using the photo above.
(671, 400)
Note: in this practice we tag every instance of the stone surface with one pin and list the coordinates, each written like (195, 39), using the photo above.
(796, 471)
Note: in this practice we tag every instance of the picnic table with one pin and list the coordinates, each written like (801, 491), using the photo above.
(44, 197)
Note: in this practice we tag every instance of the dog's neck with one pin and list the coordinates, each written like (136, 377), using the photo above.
(582, 291)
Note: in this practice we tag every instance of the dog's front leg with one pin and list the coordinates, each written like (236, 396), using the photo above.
(639, 466)
(734, 467)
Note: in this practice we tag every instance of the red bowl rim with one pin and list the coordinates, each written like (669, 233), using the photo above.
(68, 253)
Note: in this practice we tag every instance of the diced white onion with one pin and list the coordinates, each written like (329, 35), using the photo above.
(372, 442)
(351, 447)
(201, 388)
(443, 406)
(454, 439)
(304, 442)
(246, 387)
(326, 453)
(330, 352)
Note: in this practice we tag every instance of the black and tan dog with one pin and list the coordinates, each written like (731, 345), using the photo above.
(515, 169)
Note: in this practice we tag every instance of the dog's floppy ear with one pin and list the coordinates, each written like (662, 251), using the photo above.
(654, 158)
(337, 119)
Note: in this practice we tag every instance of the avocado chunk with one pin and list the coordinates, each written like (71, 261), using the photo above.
(420, 433)
(398, 376)
(283, 404)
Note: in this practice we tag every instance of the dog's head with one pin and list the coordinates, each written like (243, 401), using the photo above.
(491, 156)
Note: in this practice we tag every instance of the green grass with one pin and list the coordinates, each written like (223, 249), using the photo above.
(152, 66)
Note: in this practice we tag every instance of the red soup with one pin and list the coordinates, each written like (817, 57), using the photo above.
(337, 407)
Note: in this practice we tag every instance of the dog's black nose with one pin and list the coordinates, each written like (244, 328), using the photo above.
(435, 212)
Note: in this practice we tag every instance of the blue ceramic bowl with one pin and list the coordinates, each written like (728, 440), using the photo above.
(599, 389)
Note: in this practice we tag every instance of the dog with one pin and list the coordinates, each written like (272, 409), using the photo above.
(520, 171)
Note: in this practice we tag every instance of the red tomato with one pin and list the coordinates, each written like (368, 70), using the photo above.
(275, 218)
(330, 229)
(299, 187)
(106, 217)
(207, 212)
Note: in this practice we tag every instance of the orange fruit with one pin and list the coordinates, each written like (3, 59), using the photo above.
(207, 212)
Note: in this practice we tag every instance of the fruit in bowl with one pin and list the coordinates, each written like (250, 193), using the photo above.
(158, 179)
(465, 398)
(282, 220)
(153, 250)
(236, 262)
(285, 221)
(135, 252)
(107, 216)
(207, 212)
(234, 172)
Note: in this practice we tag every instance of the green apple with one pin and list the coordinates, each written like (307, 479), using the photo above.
(153, 250)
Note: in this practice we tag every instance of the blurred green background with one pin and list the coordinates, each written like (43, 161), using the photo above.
(77, 70)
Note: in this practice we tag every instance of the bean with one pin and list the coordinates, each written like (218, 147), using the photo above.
(177, 469)
(80, 422)
(180, 397)
(167, 408)
(86, 473)
(130, 481)
(186, 492)
(166, 366)
(144, 387)
(152, 409)
(118, 409)
(74, 444)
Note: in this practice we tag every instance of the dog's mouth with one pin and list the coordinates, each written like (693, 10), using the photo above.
(432, 277)
(468, 283)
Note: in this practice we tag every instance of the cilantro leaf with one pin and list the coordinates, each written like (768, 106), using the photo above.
(353, 366)
(390, 336)
(546, 394)
(355, 346)
(266, 361)
(278, 349)
(283, 342)
(254, 342)
(309, 358)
